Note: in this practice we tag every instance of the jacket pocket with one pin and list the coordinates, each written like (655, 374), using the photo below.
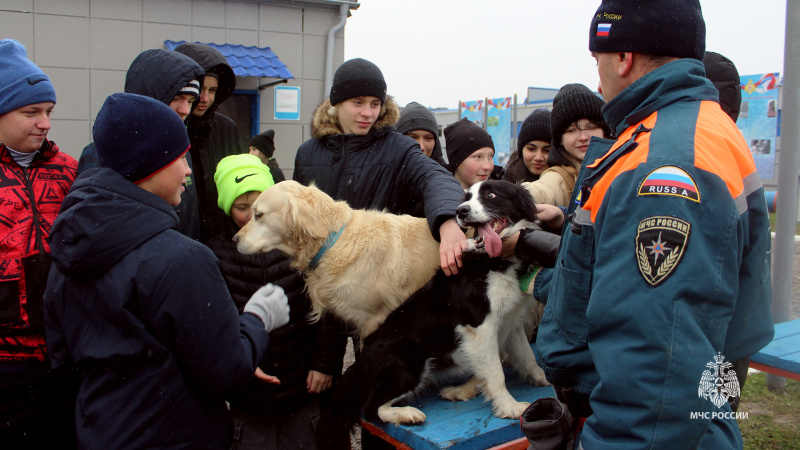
(9, 301)
(569, 306)
(572, 280)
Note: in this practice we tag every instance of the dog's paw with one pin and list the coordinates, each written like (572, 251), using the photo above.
(537, 377)
(462, 393)
(475, 245)
(405, 415)
(511, 411)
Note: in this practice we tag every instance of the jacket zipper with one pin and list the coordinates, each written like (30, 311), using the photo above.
(37, 230)
(344, 163)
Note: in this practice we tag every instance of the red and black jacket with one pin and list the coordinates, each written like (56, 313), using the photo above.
(30, 198)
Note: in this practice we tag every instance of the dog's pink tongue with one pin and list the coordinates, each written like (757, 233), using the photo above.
(492, 243)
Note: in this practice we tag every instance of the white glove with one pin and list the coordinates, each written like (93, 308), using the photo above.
(271, 305)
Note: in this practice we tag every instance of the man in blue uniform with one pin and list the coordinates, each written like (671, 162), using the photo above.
(665, 249)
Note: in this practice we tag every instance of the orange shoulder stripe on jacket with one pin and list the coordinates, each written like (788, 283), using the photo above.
(721, 149)
(625, 163)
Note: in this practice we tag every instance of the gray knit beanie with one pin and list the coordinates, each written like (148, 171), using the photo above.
(417, 117)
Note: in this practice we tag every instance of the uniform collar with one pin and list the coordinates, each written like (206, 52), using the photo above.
(680, 80)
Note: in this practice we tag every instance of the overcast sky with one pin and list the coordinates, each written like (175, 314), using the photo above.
(438, 52)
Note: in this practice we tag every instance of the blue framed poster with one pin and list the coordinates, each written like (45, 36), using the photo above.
(287, 103)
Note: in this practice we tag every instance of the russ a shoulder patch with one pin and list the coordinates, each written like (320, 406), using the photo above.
(660, 244)
(670, 180)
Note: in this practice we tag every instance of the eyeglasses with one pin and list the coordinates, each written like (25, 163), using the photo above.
(588, 126)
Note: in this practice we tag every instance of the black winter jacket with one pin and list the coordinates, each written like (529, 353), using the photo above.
(211, 140)
(380, 170)
(146, 315)
(538, 247)
(295, 348)
(275, 170)
(213, 136)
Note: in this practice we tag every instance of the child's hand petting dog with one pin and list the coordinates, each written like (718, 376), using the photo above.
(553, 216)
(266, 378)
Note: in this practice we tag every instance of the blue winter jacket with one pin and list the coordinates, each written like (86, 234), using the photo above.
(663, 266)
(146, 315)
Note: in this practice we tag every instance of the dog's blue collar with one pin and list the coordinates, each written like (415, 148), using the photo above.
(328, 244)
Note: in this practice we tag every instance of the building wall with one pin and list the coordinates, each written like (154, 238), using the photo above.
(86, 46)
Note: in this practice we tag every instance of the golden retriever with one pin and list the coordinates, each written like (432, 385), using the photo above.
(375, 264)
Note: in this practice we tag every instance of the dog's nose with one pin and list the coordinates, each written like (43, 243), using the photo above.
(235, 238)
(462, 211)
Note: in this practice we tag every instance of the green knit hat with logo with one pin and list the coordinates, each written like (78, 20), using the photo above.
(240, 174)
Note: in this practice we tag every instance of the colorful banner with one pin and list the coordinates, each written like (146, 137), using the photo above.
(498, 124)
(758, 119)
(473, 111)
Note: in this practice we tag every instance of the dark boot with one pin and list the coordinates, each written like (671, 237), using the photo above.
(547, 424)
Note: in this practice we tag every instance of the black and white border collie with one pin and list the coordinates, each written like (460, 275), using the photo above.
(452, 326)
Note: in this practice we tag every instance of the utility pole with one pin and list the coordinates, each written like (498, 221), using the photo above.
(786, 219)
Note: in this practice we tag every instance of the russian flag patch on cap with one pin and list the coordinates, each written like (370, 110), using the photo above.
(603, 29)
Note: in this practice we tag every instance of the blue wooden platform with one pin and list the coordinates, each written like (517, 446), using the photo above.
(782, 355)
(466, 425)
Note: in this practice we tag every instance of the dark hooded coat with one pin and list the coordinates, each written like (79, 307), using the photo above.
(379, 170)
(161, 74)
(145, 314)
(213, 136)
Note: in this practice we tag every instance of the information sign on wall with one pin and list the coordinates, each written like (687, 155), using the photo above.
(287, 103)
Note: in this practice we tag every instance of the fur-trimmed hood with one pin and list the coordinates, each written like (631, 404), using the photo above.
(326, 121)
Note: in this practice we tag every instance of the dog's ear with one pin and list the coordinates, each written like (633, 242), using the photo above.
(525, 204)
(307, 214)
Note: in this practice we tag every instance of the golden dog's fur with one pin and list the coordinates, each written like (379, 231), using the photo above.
(378, 261)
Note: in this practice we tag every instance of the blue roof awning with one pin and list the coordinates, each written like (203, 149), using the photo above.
(247, 61)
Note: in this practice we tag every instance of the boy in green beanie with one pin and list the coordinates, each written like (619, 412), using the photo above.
(302, 356)
(240, 179)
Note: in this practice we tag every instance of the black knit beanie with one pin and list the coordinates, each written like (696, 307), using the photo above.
(355, 78)
(264, 142)
(722, 72)
(574, 102)
(138, 136)
(655, 27)
(463, 138)
(536, 127)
